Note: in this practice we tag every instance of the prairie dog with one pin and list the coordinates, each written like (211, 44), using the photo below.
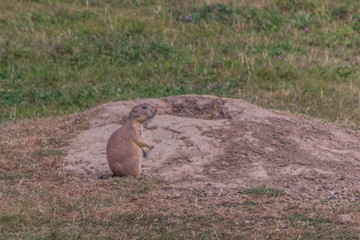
(124, 149)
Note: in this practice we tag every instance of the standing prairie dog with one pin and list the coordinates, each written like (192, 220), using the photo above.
(124, 149)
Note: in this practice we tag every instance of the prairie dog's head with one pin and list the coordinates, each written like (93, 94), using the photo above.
(142, 112)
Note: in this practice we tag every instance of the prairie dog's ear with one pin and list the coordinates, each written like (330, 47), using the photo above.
(134, 110)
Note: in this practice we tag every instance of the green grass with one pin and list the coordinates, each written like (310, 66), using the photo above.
(261, 191)
(60, 57)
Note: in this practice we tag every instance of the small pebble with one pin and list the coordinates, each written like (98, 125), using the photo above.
(344, 219)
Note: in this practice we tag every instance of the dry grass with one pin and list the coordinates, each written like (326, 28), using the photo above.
(255, 3)
(40, 200)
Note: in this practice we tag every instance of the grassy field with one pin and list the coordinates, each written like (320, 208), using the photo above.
(62, 57)
(59, 57)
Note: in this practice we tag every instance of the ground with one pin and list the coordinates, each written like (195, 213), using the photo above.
(221, 169)
(218, 144)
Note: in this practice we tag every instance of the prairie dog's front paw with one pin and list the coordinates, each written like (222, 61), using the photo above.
(151, 146)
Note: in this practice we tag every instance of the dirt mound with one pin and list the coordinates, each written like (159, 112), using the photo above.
(205, 142)
(197, 108)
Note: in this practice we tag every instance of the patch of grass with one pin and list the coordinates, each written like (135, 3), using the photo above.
(262, 191)
(13, 221)
(293, 55)
(299, 218)
(139, 186)
(49, 152)
(13, 176)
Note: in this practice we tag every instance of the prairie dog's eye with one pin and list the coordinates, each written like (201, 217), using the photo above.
(144, 107)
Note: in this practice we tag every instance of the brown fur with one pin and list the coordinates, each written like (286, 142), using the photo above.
(124, 148)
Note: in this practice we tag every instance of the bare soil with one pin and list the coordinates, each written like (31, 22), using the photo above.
(219, 144)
